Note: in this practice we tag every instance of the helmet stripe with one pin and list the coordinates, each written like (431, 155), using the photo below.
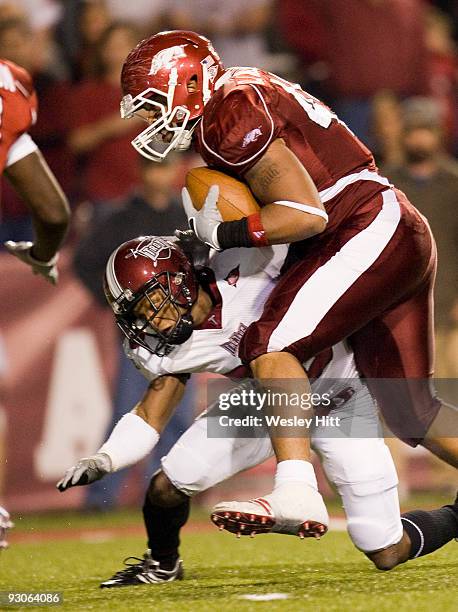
(113, 283)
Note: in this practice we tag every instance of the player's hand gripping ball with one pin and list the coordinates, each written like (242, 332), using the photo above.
(210, 197)
(235, 198)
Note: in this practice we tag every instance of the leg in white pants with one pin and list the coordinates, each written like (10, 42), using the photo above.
(198, 462)
(364, 474)
(361, 469)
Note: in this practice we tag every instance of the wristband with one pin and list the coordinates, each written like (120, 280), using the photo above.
(256, 230)
(231, 234)
(129, 442)
(247, 232)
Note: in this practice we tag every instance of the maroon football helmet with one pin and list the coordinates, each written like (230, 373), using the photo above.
(136, 270)
(156, 75)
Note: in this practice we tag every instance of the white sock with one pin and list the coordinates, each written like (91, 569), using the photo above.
(295, 470)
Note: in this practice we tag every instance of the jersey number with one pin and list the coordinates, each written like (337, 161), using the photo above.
(316, 110)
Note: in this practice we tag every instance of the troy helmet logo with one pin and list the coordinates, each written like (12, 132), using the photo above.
(151, 249)
(166, 59)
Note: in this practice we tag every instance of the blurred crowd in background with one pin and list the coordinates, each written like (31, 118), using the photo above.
(388, 68)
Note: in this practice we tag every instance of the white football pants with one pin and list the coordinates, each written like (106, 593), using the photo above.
(361, 469)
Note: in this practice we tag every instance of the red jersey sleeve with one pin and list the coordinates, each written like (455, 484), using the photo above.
(236, 129)
(18, 107)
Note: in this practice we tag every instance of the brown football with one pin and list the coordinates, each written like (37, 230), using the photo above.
(235, 198)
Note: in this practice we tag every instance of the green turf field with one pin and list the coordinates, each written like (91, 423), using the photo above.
(220, 570)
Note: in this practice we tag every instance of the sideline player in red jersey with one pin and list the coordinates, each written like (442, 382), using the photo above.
(22, 163)
(362, 262)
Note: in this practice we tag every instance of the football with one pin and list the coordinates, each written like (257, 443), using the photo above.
(235, 198)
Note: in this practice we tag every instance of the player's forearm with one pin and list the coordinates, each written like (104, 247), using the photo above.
(34, 181)
(160, 400)
(274, 224)
(48, 238)
(283, 224)
(291, 206)
(137, 433)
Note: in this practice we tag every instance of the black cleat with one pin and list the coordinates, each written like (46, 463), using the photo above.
(146, 571)
(454, 508)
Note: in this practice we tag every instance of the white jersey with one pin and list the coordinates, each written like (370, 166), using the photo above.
(243, 279)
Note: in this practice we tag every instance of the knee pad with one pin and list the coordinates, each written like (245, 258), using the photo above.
(366, 479)
(373, 519)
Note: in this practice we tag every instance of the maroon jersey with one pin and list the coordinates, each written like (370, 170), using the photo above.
(368, 277)
(252, 108)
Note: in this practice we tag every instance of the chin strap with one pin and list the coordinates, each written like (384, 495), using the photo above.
(183, 331)
(185, 141)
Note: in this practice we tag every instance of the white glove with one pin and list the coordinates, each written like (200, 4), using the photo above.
(5, 523)
(204, 222)
(87, 470)
(22, 250)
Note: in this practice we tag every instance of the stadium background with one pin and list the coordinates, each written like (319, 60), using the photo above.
(59, 360)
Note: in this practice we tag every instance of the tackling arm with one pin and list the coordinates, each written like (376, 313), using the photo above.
(133, 437)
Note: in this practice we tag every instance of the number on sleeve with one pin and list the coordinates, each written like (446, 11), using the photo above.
(316, 110)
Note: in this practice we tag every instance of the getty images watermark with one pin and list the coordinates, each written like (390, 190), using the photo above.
(273, 403)
(353, 407)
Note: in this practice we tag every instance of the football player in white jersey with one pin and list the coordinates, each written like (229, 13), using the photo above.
(178, 320)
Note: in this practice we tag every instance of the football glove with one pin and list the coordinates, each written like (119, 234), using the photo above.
(22, 250)
(87, 470)
(5, 524)
(193, 248)
(204, 222)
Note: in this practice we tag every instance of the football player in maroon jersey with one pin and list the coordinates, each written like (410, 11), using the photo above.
(362, 259)
(23, 165)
